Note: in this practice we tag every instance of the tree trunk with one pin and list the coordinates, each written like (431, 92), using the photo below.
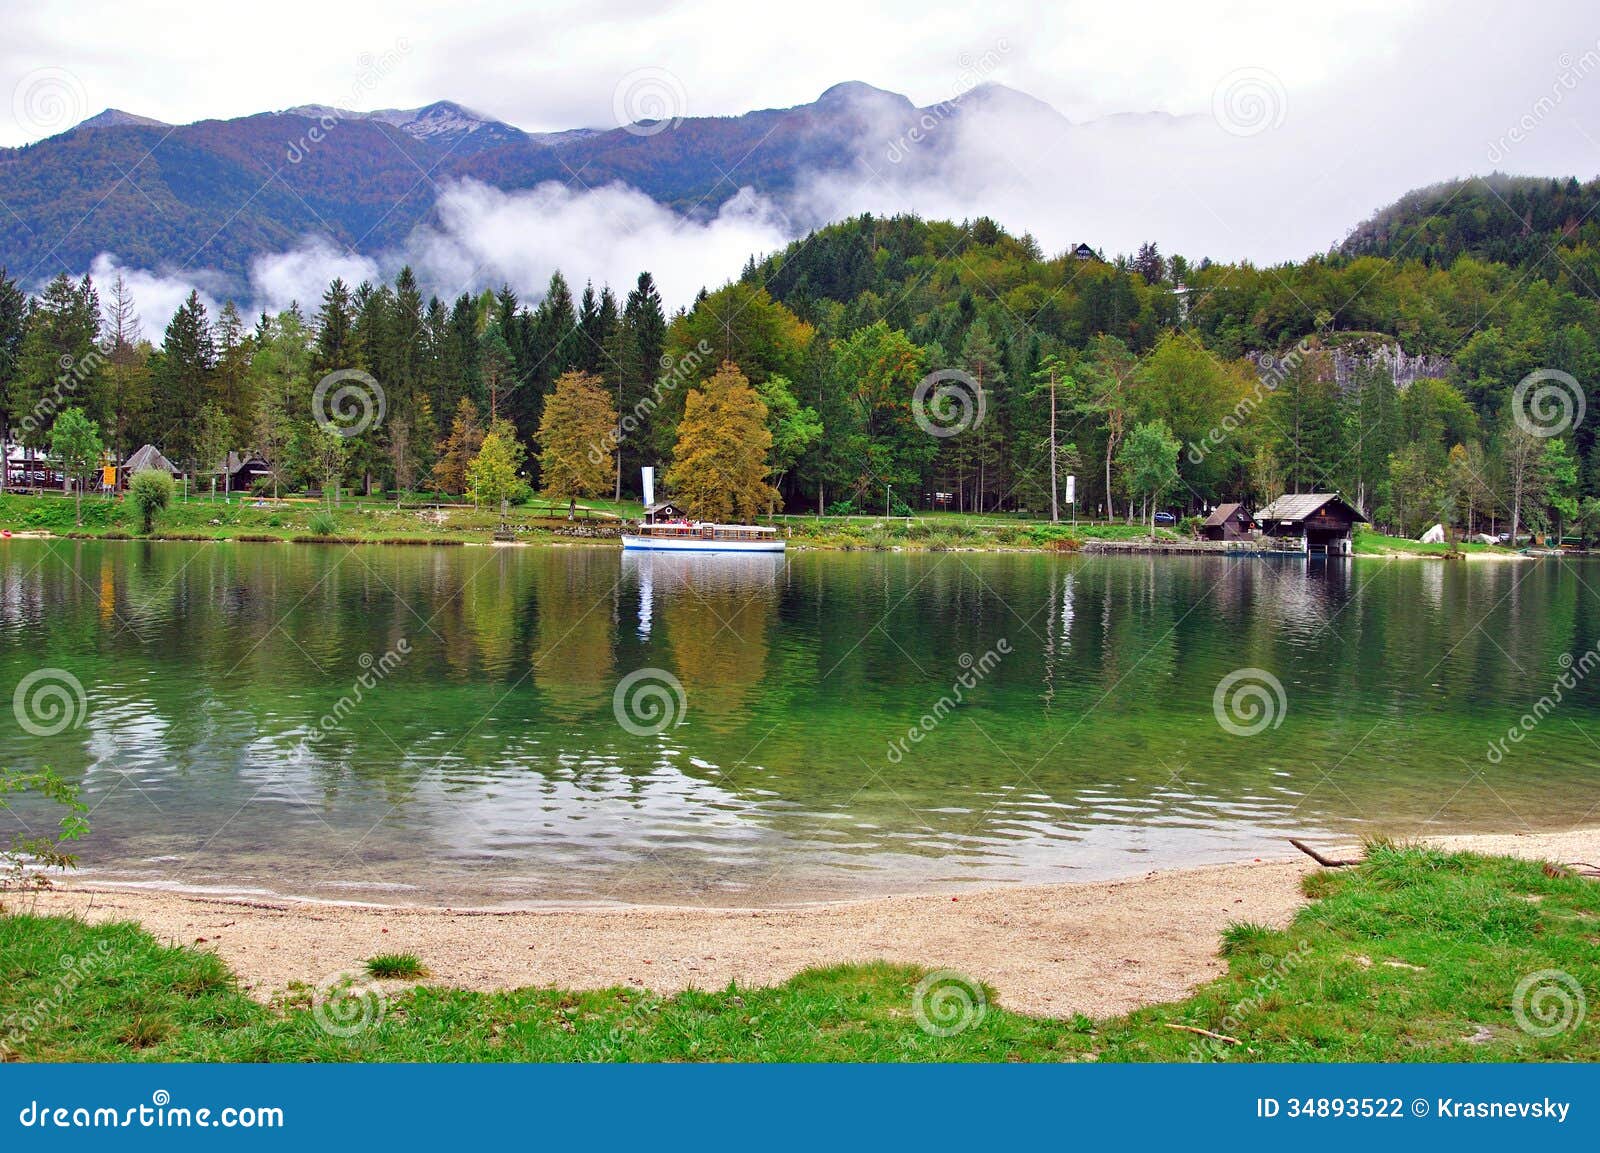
(1055, 511)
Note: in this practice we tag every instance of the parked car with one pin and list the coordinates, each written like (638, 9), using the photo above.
(1166, 518)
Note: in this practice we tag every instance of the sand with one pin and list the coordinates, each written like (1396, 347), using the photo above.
(1095, 948)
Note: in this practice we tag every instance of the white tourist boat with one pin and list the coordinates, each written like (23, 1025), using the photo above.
(666, 528)
(702, 536)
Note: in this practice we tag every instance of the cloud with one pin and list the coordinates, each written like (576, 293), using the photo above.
(303, 274)
(608, 235)
(156, 295)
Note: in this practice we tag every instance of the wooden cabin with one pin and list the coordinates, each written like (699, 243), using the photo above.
(147, 457)
(238, 472)
(1228, 522)
(664, 512)
(1321, 522)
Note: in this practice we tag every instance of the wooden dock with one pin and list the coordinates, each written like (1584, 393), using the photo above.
(1233, 548)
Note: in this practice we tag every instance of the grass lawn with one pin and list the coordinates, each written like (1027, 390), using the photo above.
(354, 518)
(1415, 955)
(1369, 543)
(379, 521)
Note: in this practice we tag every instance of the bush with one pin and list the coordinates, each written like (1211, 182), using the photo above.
(150, 490)
(324, 524)
(842, 508)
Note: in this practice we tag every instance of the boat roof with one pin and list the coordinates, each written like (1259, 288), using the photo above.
(701, 524)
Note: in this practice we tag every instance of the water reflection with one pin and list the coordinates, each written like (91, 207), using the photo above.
(489, 765)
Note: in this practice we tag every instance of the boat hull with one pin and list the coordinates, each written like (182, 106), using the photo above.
(698, 544)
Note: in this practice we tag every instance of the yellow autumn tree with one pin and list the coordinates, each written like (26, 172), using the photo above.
(577, 436)
(719, 467)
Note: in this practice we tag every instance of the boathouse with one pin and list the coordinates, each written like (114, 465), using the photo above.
(1321, 522)
(1228, 522)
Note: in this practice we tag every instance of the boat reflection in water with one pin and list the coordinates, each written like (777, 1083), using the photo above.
(732, 579)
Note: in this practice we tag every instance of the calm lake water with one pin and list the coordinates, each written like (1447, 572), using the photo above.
(486, 759)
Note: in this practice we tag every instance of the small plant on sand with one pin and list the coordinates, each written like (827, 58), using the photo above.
(387, 965)
(22, 857)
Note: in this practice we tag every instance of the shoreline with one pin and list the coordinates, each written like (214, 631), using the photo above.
(1094, 947)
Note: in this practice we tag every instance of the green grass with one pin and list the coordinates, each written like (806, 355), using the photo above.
(388, 966)
(354, 519)
(1402, 959)
(374, 521)
(1370, 543)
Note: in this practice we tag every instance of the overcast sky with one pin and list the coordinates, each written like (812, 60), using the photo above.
(556, 64)
(1355, 101)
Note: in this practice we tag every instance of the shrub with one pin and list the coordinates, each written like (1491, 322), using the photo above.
(150, 490)
(396, 965)
(324, 524)
(842, 508)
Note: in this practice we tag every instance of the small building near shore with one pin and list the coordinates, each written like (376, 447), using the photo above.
(239, 471)
(147, 457)
(663, 512)
(1228, 522)
(1321, 522)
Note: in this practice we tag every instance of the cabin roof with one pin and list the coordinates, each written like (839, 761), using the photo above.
(1296, 506)
(234, 461)
(148, 456)
(1224, 513)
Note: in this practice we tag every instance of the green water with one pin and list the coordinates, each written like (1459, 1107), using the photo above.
(483, 761)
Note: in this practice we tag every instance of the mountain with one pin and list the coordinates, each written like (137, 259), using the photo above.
(458, 129)
(1516, 220)
(117, 118)
(217, 194)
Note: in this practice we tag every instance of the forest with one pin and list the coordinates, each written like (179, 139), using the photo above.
(1155, 380)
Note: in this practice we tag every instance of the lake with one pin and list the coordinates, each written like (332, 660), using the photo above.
(494, 726)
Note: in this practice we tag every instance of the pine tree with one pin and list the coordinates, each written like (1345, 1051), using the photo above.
(59, 363)
(181, 379)
(231, 383)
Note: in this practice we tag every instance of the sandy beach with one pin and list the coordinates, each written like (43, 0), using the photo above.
(1095, 948)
